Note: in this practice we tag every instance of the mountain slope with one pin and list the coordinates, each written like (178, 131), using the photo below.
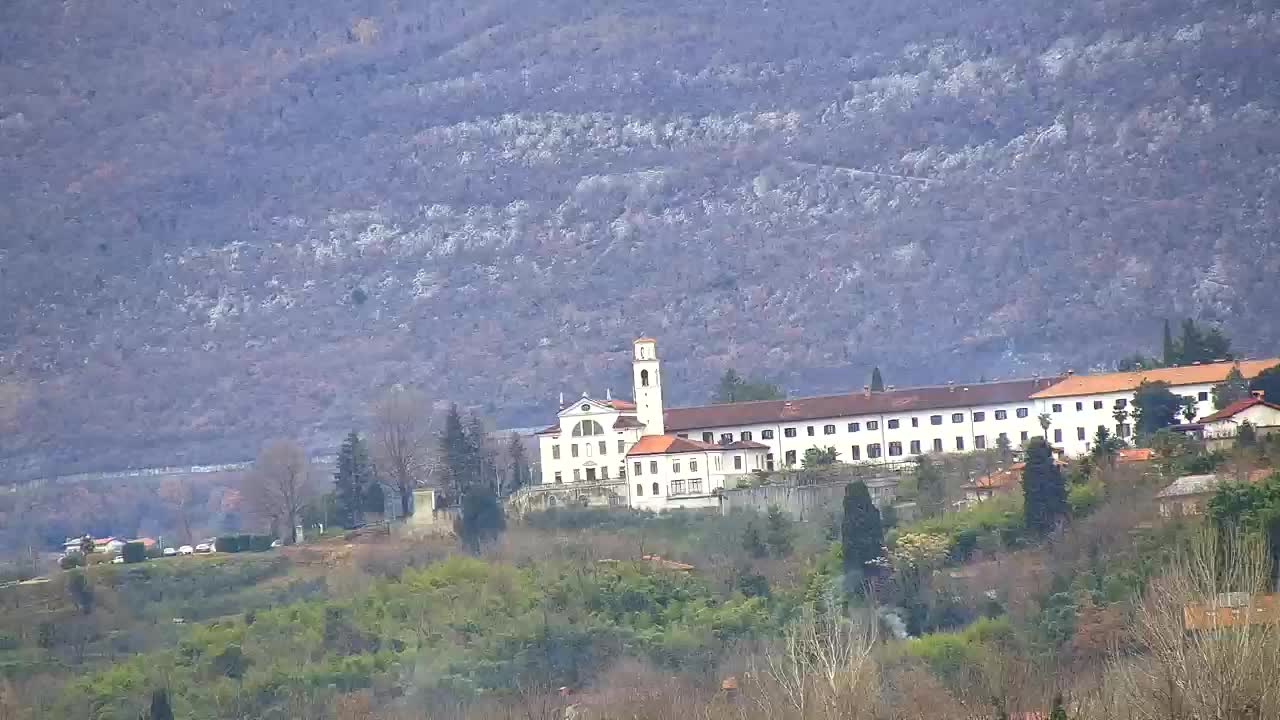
(238, 221)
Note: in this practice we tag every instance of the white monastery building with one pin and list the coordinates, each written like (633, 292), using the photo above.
(681, 457)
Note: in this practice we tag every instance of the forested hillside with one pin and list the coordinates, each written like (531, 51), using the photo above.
(224, 221)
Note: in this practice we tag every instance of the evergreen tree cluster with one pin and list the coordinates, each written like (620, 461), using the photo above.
(1195, 344)
(468, 463)
(356, 486)
(734, 388)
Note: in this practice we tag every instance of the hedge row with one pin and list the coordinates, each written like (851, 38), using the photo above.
(243, 543)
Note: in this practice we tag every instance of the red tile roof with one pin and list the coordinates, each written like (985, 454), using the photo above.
(659, 444)
(1132, 455)
(623, 405)
(626, 421)
(856, 403)
(1205, 373)
(1238, 407)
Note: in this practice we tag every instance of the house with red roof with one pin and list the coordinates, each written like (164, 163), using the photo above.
(1256, 410)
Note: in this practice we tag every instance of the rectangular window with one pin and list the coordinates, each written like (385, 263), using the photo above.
(895, 449)
(855, 453)
(957, 418)
(1125, 429)
(935, 419)
(746, 436)
(1057, 407)
(1204, 396)
(937, 444)
(766, 434)
(708, 437)
(893, 424)
(1004, 437)
(789, 432)
(604, 447)
(637, 469)
(677, 487)
(737, 462)
(980, 442)
(675, 466)
(622, 471)
(693, 466)
(854, 427)
(639, 490)
(573, 450)
(979, 416)
(604, 472)
(1023, 436)
(1022, 412)
(915, 447)
(1121, 403)
(726, 437)
(683, 435)
(828, 429)
(915, 422)
(653, 467)
(809, 430)
(577, 475)
(1079, 433)
(873, 424)
(1002, 414)
(959, 444)
(790, 458)
(1057, 435)
(1079, 406)
(873, 450)
(622, 447)
(559, 478)
(716, 460)
(695, 486)
(586, 449)
(555, 452)
(769, 461)
(1097, 404)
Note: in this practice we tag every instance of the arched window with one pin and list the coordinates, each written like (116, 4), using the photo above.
(587, 427)
(639, 490)
(655, 488)
(644, 378)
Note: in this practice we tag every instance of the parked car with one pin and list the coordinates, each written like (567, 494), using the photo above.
(117, 560)
(169, 552)
(204, 548)
(276, 543)
(186, 550)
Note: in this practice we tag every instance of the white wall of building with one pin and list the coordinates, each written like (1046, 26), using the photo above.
(585, 458)
(1078, 417)
(1259, 416)
(687, 480)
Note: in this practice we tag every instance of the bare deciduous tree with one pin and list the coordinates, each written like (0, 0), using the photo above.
(1223, 671)
(279, 485)
(401, 440)
(178, 493)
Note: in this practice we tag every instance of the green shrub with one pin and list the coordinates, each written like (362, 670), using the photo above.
(70, 561)
(134, 552)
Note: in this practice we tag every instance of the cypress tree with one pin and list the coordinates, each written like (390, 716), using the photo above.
(519, 465)
(481, 519)
(1043, 487)
(353, 480)
(455, 449)
(862, 537)
(160, 708)
(1169, 350)
(877, 382)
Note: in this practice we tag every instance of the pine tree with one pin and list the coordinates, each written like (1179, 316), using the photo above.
(930, 488)
(778, 528)
(1043, 487)
(457, 452)
(862, 537)
(877, 382)
(1267, 382)
(353, 480)
(1170, 351)
(160, 708)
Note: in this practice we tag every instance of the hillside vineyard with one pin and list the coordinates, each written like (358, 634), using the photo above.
(212, 212)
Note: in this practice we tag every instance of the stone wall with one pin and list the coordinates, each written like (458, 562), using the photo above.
(814, 501)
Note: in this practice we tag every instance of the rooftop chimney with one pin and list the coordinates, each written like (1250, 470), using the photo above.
(562, 399)
(608, 394)
(1070, 372)
(891, 387)
(866, 390)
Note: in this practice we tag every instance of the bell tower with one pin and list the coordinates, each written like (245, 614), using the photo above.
(646, 382)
